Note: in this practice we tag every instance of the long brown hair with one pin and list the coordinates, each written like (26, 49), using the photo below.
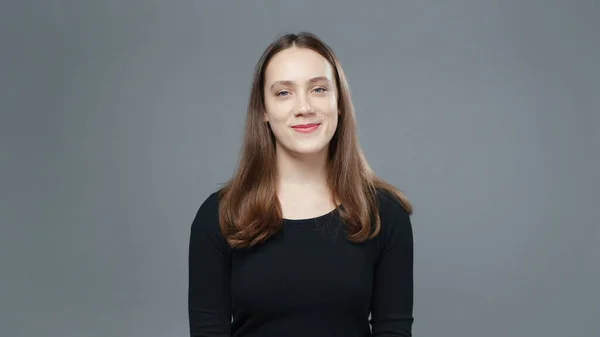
(249, 210)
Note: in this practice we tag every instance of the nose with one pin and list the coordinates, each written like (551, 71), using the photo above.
(303, 106)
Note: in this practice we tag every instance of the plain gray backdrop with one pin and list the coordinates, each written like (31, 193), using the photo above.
(120, 117)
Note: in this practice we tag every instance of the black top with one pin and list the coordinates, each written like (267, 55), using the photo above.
(308, 280)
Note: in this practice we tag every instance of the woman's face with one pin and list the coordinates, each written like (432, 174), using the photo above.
(301, 101)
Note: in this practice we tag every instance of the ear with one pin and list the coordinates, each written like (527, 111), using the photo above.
(265, 117)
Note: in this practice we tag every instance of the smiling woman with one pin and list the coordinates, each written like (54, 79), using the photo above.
(305, 239)
(300, 97)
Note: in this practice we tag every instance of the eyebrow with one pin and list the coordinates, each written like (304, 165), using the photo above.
(312, 80)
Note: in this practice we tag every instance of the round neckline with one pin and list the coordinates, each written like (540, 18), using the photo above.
(314, 218)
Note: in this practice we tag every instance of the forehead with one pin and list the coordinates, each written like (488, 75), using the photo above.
(297, 64)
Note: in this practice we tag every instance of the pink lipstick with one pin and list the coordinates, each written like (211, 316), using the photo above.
(306, 128)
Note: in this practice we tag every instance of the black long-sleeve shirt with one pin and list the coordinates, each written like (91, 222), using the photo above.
(307, 280)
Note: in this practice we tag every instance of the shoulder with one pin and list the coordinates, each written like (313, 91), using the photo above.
(206, 221)
(208, 209)
(390, 206)
(395, 218)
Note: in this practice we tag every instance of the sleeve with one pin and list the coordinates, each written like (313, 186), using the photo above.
(392, 305)
(209, 298)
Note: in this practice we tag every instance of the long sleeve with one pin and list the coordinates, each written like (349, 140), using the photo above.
(209, 294)
(392, 305)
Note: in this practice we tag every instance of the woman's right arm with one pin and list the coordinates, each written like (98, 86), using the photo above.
(209, 297)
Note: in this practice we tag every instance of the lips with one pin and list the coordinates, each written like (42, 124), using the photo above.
(306, 126)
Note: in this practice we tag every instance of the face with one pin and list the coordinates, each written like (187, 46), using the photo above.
(301, 101)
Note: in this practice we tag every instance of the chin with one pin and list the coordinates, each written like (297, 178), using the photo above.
(309, 152)
(309, 149)
(302, 147)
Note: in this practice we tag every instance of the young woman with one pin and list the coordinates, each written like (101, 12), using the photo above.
(304, 240)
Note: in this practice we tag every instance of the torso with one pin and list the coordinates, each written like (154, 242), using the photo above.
(308, 279)
(308, 272)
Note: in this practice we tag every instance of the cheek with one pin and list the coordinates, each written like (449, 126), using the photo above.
(334, 121)
(277, 112)
(331, 111)
(327, 105)
(277, 120)
(279, 130)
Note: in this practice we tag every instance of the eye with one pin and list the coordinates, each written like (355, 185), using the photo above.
(282, 93)
(320, 90)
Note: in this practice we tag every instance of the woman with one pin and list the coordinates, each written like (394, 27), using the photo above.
(304, 240)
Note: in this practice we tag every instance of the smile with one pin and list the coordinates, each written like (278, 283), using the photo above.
(306, 128)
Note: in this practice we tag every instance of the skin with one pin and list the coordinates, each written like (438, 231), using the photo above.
(300, 89)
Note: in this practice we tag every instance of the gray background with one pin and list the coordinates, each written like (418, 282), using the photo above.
(120, 117)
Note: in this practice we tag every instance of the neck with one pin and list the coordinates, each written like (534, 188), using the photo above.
(302, 171)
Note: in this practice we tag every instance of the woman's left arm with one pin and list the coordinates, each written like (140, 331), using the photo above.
(392, 305)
